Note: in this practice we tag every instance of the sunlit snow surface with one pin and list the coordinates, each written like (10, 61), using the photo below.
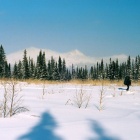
(55, 115)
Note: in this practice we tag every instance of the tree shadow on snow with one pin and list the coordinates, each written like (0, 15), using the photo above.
(100, 132)
(44, 130)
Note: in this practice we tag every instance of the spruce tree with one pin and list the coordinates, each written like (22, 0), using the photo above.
(26, 74)
(7, 70)
(97, 71)
(138, 67)
(106, 72)
(133, 69)
(60, 67)
(85, 73)
(39, 65)
(56, 75)
(50, 69)
(15, 72)
(124, 69)
(91, 73)
(2, 62)
(112, 70)
(64, 70)
(128, 68)
(73, 75)
(20, 70)
(68, 75)
(102, 69)
(117, 70)
(32, 69)
(43, 67)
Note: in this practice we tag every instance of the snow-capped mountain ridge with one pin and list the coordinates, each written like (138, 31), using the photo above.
(73, 57)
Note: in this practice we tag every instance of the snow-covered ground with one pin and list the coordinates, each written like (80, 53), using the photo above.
(55, 115)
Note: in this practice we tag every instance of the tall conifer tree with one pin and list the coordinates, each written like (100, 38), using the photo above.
(26, 74)
(2, 62)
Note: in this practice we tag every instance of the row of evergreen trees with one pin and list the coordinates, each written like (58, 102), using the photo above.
(117, 71)
(57, 70)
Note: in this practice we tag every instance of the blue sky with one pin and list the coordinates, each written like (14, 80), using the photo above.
(95, 27)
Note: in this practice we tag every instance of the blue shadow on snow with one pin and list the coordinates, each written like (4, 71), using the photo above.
(121, 88)
(100, 132)
(44, 130)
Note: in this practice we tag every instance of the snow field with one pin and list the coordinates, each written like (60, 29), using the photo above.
(55, 116)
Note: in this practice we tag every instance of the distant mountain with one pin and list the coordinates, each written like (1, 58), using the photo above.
(73, 57)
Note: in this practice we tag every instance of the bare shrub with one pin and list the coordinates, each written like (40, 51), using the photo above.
(114, 90)
(43, 89)
(100, 105)
(69, 102)
(4, 102)
(19, 110)
(81, 98)
(11, 103)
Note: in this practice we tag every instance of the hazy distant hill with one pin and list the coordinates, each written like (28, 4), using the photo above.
(73, 57)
